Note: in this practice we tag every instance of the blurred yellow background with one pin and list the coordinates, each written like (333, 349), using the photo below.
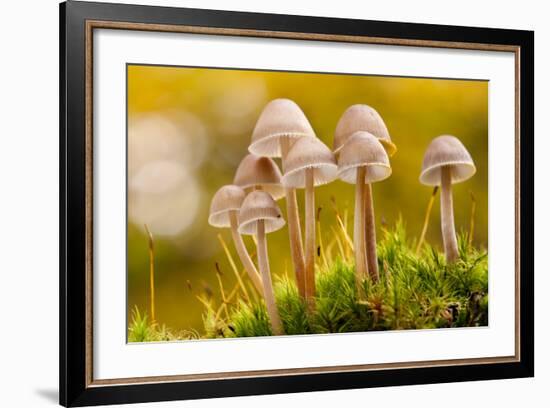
(189, 128)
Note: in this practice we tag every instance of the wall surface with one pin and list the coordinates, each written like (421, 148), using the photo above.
(29, 202)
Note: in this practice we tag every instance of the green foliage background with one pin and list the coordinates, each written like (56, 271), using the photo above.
(213, 111)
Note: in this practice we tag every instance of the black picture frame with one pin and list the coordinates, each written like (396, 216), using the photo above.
(75, 386)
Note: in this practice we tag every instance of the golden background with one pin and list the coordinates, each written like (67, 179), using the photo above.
(188, 129)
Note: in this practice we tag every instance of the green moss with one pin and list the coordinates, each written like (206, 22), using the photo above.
(415, 291)
(249, 320)
(291, 307)
(142, 330)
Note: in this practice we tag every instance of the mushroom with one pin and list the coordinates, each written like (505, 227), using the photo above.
(447, 162)
(364, 118)
(260, 215)
(362, 161)
(255, 172)
(309, 163)
(224, 210)
(280, 124)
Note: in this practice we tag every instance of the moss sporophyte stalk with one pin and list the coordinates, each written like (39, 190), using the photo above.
(347, 285)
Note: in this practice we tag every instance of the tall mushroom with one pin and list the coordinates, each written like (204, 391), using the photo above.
(309, 163)
(362, 161)
(445, 163)
(280, 124)
(364, 118)
(260, 215)
(224, 210)
(256, 172)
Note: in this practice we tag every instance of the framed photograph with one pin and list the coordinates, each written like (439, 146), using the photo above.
(256, 204)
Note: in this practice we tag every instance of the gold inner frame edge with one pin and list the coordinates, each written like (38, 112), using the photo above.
(99, 24)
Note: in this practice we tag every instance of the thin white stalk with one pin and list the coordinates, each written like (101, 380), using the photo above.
(447, 216)
(243, 253)
(269, 297)
(294, 230)
(372, 259)
(310, 237)
(359, 228)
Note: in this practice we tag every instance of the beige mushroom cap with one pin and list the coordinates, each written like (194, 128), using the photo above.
(227, 198)
(280, 118)
(309, 153)
(363, 150)
(260, 171)
(259, 205)
(362, 117)
(446, 151)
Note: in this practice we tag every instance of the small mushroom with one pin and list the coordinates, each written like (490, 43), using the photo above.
(309, 163)
(260, 215)
(362, 161)
(255, 172)
(280, 124)
(224, 210)
(362, 117)
(447, 162)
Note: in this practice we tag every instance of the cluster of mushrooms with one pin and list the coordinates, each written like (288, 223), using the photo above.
(360, 156)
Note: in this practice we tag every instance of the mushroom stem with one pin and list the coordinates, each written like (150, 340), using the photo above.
(295, 237)
(269, 297)
(310, 237)
(243, 253)
(370, 231)
(294, 231)
(447, 216)
(359, 228)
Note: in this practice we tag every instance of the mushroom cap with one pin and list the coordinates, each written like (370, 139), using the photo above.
(228, 198)
(362, 117)
(260, 171)
(280, 118)
(259, 205)
(446, 150)
(363, 150)
(309, 153)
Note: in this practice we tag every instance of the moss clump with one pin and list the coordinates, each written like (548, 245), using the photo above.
(415, 291)
(143, 330)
